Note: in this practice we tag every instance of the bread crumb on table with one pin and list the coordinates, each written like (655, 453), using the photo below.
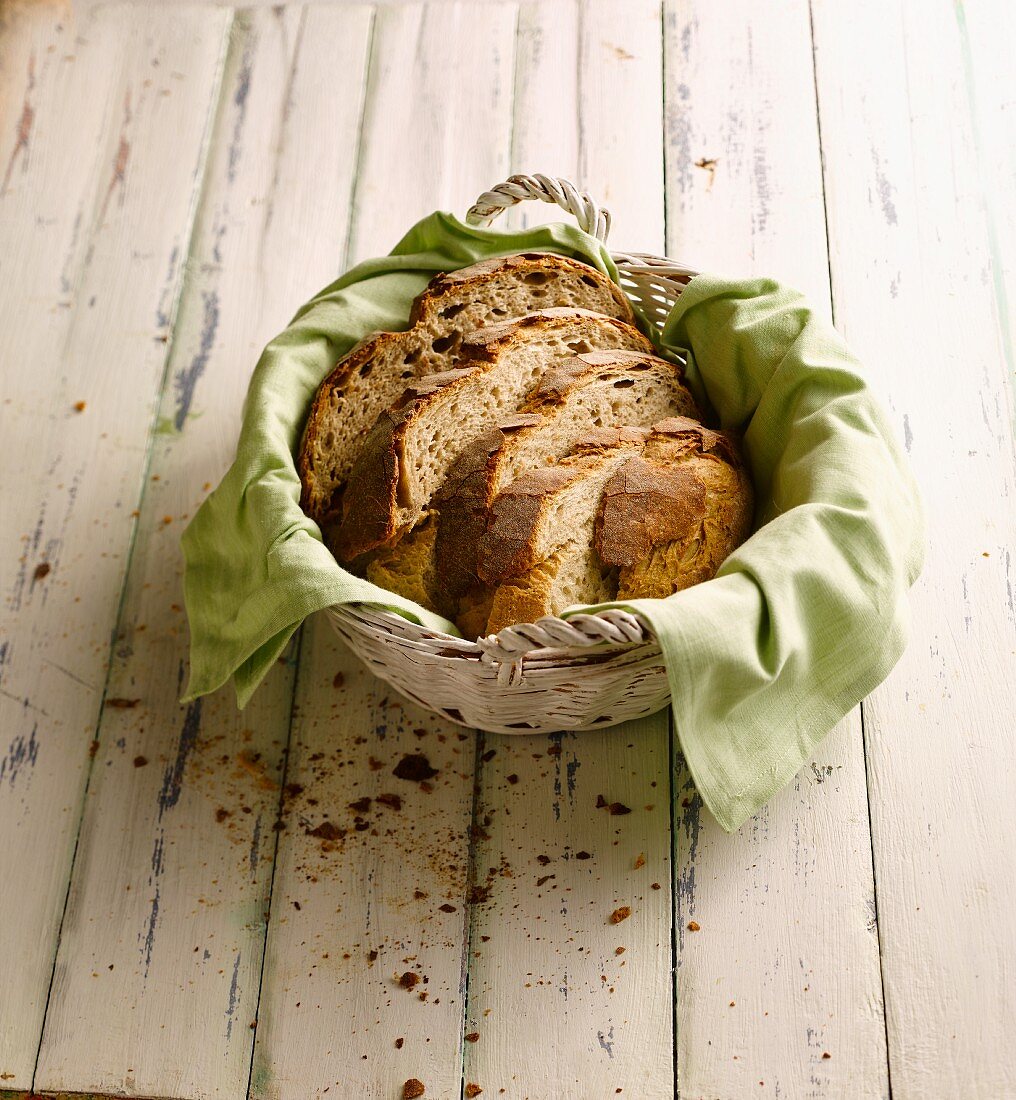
(622, 912)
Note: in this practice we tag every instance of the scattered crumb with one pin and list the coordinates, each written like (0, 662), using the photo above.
(374, 764)
(472, 1090)
(338, 680)
(409, 980)
(167, 520)
(826, 1054)
(447, 908)
(80, 406)
(694, 926)
(392, 801)
(543, 860)
(478, 894)
(544, 878)
(122, 704)
(140, 761)
(412, 1089)
(618, 950)
(221, 815)
(623, 912)
(327, 831)
(42, 570)
(361, 805)
(732, 1003)
(415, 767)
(640, 860)
(554, 750)
(583, 855)
(513, 779)
(617, 809)
(473, 1037)
(93, 748)
(488, 755)
(655, 886)
(398, 1043)
(601, 802)
(709, 164)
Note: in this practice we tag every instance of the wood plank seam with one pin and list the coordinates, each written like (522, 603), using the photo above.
(672, 747)
(199, 177)
(368, 79)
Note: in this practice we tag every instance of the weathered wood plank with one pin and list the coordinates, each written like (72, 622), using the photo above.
(434, 122)
(782, 968)
(545, 131)
(549, 972)
(163, 941)
(436, 130)
(109, 121)
(912, 275)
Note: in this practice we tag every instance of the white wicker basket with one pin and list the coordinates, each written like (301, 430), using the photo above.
(584, 673)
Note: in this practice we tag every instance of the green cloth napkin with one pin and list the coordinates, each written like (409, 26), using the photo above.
(801, 622)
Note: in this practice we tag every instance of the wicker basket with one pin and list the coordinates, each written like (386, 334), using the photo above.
(584, 673)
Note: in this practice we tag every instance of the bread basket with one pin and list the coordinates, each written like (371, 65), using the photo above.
(582, 673)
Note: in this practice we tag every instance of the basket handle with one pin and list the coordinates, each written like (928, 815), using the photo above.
(592, 218)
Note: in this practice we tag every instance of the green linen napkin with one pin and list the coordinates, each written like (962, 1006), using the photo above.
(801, 622)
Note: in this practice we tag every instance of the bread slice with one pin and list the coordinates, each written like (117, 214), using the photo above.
(675, 502)
(670, 517)
(413, 446)
(595, 389)
(371, 377)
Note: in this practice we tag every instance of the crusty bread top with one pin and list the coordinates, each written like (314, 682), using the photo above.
(660, 496)
(371, 376)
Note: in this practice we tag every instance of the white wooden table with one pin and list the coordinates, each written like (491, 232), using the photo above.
(174, 181)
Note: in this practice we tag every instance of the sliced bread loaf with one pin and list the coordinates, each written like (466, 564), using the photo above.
(594, 389)
(412, 447)
(371, 377)
(646, 518)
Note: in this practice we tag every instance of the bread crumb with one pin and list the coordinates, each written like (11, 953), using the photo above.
(623, 912)
(472, 1090)
(399, 1042)
(618, 950)
(412, 1089)
(80, 406)
(140, 761)
(693, 926)
(826, 1054)
(472, 1037)
(409, 980)
(640, 860)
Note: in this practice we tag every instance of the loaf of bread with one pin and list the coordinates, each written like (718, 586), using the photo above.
(373, 375)
(413, 445)
(518, 450)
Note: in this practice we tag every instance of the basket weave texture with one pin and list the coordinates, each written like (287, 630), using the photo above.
(586, 672)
